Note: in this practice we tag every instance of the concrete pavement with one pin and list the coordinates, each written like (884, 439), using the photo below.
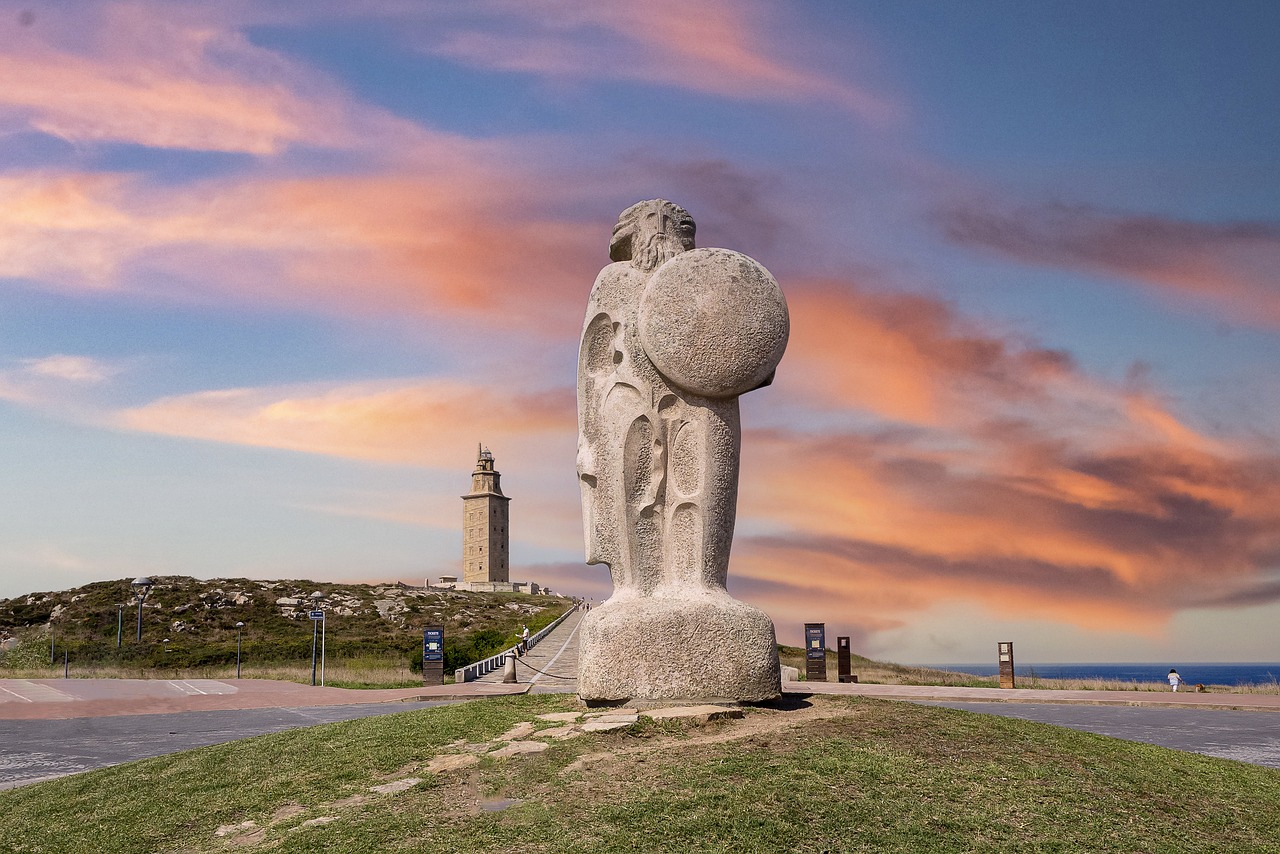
(56, 699)
(1149, 699)
(36, 750)
(551, 667)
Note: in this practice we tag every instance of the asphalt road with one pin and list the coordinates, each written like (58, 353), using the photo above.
(1252, 737)
(34, 750)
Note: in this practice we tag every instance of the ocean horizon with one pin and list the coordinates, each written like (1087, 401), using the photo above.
(1207, 673)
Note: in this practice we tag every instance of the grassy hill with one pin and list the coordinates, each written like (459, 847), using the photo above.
(828, 774)
(198, 619)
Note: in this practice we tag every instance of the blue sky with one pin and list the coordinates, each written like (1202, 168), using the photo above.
(270, 271)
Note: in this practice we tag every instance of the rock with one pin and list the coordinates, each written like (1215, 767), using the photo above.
(452, 762)
(560, 733)
(520, 730)
(397, 786)
(517, 748)
(790, 674)
(561, 717)
(289, 601)
(353, 801)
(287, 811)
(228, 829)
(316, 822)
(608, 723)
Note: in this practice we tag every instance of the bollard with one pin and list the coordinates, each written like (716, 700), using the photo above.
(509, 669)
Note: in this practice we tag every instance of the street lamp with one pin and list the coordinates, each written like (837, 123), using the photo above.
(239, 627)
(142, 586)
(315, 630)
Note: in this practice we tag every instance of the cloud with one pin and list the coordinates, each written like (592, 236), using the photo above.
(55, 382)
(927, 459)
(1228, 265)
(728, 50)
(163, 77)
(907, 358)
(75, 369)
(421, 423)
(446, 238)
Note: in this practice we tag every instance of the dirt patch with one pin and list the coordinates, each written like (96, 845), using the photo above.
(287, 811)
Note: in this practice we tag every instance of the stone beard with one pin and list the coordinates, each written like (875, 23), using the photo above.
(658, 459)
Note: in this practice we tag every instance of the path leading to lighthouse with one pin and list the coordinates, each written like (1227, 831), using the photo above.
(551, 667)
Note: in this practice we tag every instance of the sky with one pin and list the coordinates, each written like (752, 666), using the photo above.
(271, 271)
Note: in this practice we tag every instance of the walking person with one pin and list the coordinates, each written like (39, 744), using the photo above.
(524, 640)
(1174, 679)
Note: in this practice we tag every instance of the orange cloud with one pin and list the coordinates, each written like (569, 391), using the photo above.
(165, 78)
(427, 423)
(422, 241)
(953, 464)
(715, 48)
(1228, 265)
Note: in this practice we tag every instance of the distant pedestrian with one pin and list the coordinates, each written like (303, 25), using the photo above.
(1174, 679)
(524, 640)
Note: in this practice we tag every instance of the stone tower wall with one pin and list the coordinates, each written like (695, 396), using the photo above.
(485, 526)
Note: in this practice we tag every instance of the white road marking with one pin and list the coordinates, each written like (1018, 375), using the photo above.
(34, 692)
(563, 647)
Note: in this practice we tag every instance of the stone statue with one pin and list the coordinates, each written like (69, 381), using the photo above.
(672, 336)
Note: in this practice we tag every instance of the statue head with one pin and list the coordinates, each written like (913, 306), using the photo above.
(651, 232)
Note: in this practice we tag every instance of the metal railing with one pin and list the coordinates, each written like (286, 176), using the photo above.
(472, 672)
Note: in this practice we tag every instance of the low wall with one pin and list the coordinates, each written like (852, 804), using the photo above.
(472, 672)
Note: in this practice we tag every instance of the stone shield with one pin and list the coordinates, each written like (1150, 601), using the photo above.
(714, 322)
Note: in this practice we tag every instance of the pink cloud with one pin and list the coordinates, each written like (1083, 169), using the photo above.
(423, 241)
(714, 48)
(427, 423)
(1229, 265)
(960, 464)
(162, 77)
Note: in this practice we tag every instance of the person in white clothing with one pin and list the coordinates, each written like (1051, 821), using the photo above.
(524, 640)
(1174, 679)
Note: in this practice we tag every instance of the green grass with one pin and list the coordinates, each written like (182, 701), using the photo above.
(845, 774)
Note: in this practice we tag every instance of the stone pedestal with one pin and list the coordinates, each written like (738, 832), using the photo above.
(704, 647)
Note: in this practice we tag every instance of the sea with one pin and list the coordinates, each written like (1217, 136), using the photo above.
(1208, 674)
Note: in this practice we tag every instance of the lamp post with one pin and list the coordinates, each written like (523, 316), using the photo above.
(119, 624)
(239, 628)
(142, 586)
(315, 632)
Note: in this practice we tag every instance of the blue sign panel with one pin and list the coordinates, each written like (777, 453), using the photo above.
(815, 642)
(316, 615)
(433, 645)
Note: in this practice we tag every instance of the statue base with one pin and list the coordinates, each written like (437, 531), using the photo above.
(700, 647)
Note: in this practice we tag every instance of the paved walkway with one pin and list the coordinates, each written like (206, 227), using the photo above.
(59, 699)
(1149, 699)
(36, 750)
(551, 667)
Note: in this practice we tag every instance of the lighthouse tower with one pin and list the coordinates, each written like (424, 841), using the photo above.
(485, 534)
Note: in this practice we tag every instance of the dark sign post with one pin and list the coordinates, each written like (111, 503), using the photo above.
(815, 652)
(433, 655)
(844, 665)
(1006, 664)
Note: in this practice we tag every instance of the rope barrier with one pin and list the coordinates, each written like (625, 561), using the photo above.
(543, 672)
